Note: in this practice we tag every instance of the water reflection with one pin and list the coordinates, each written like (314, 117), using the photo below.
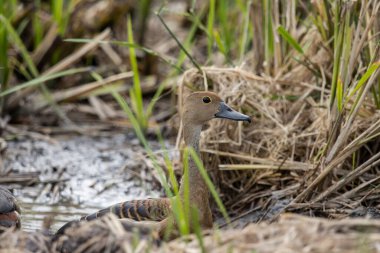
(77, 176)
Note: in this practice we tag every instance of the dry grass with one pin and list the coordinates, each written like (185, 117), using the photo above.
(300, 147)
(283, 151)
(292, 233)
(16, 241)
(102, 235)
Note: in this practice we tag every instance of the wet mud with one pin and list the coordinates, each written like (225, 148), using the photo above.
(68, 176)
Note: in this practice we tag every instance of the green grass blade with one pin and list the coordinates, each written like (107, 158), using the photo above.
(37, 25)
(338, 47)
(8, 8)
(136, 94)
(376, 94)
(196, 22)
(219, 43)
(210, 26)
(18, 42)
(179, 215)
(123, 43)
(4, 62)
(67, 13)
(371, 69)
(144, 7)
(42, 79)
(359, 95)
(289, 39)
(346, 52)
(268, 34)
(186, 192)
(57, 7)
(168, 163)
(177, 41)
(223, 18)
(197, 229)
(153, 101)
(245, 34)
(140, 135)
(61, 10)
(339, 95)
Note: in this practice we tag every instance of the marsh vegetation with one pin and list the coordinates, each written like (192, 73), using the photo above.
(307, 72)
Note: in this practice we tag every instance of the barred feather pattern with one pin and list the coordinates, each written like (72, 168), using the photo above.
(139, 210)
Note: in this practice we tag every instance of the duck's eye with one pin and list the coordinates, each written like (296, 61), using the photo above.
(206, 100)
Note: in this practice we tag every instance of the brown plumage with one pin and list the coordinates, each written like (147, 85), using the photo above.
(138, 210)
(156, 214)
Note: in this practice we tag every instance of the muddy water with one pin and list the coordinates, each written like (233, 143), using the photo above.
(78, 175)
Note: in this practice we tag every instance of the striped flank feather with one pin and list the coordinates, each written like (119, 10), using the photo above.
(138, 210)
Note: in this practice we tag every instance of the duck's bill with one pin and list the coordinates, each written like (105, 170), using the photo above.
(227, 112)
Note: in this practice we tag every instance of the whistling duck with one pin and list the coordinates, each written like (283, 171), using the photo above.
(9, 210)
(199, 108)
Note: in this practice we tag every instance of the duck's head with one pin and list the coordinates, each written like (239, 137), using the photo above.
(200, 107)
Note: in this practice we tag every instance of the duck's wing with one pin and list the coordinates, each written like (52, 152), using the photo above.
(138, 210)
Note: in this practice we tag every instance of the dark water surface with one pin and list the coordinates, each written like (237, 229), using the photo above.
(78, 175)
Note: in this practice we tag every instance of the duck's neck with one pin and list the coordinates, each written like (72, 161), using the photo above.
(196, 183)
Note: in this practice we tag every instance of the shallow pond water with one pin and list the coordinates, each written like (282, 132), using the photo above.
(78, 175)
